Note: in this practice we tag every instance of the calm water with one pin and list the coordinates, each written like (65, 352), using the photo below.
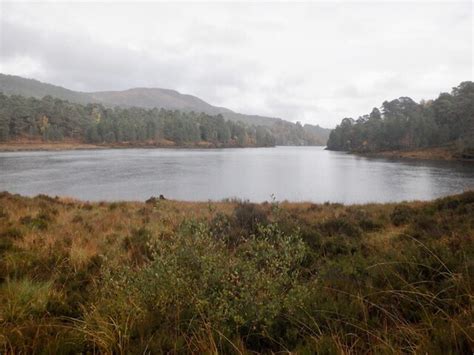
(292, 173)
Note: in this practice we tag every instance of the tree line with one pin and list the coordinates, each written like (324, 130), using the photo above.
(53, 119)
(403, 124)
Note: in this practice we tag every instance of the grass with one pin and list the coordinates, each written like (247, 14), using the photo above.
(236, 277)
(448, 152)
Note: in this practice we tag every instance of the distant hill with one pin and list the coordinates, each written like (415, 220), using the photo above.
(173, 100)
(138, 97)
(16, 85)
(147, 98)
(322, 133)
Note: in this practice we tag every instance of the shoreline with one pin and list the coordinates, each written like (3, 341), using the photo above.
(225, 201)
(66, 146)
(429, 154)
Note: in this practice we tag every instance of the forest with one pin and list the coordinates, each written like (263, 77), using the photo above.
(52, 119)
(403, 124)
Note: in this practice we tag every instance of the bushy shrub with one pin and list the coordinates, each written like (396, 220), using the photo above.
(401, 215)
(424, 226)
(193, 281)
(41, 221)
(340, 226)
(366, 221)
(221, 228)
(249, 215)
(138, 244)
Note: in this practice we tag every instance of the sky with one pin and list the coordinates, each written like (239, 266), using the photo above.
(314, 62)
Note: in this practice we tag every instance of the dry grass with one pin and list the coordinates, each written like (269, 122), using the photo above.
(435, 153)
(234, 277)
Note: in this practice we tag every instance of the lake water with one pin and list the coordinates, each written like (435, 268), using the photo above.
(257, 174)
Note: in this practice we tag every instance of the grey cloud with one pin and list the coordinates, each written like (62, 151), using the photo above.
(74, 59)
(311, 62)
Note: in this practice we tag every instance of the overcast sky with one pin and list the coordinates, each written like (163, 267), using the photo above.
(312, 62)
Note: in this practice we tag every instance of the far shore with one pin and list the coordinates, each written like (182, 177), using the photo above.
(438, 153)
(46, 146)
(21, 146)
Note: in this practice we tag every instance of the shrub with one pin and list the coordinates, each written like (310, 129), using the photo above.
(366, 221)
(249, 215)
(340, 226)
(34, 222)
(424, 226)
(138, 244)
(221, 228)
(401, 215)
(87, 206)
(47, 198)
(7, 237)
(77, 219)
(152, 200)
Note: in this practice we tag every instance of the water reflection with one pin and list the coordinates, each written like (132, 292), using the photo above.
(292, 173)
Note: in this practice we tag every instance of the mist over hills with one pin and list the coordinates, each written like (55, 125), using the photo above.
(140, 97)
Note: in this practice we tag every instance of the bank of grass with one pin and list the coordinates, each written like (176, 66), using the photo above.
(235, 277)
(447, 153)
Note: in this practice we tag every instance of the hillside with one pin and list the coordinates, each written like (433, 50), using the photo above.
(136, 97)
(16, 85)
(434, 128)
(28, 120)
(318, 131)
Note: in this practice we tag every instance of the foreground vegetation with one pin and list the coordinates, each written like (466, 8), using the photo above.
(235, 277)
(446, 123)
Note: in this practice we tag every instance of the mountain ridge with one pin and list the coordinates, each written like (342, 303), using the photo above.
(145, 97)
